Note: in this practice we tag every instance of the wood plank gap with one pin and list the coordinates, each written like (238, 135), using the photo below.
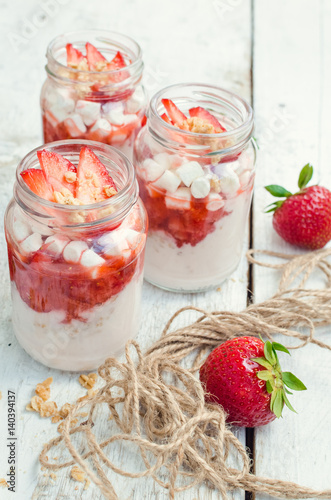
(250, 432)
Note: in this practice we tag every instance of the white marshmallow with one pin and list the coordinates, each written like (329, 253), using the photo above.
(91, 259)
(114, 243)
(75, 125)
(214, 202)
(181, 199)
(229, 180)
(41, 229)
(200, 187)
(21, 230)
(168, 181)
(73, 251)
(100, 129)
(164, 159)
(31, 244)
(189, 171)
(136, 101)
(56, 244)
(152, 170)
(89, 111)
(132, 237)
(245, 178)
(117, 117)
(111, 106)
(61, 98)
(55, 115)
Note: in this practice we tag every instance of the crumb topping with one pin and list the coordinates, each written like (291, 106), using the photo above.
(82, 65)
(3, 483)
(65, 197)
(79, 475)
(70, 176)
(110, 191)
(88, 381)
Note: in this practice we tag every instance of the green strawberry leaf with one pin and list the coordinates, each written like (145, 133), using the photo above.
(264, 375)
(288, 404)
(274, 206)
(305, 176)
(280, 347)
(272, 400)
(270, 353)
(278, 403)
(278, 191)
(263, 362)
(287, 391)
(269, 387)
(293, 382)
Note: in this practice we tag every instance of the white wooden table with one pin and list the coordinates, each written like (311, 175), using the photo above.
(276, 53)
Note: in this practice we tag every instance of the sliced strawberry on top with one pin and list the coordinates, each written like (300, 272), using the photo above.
(202, 113)
(93, 57)
(74, 56)
(37, 182)
(117, 63)
(57, 167)
(93, 181)
(174, 113)
(166, 118)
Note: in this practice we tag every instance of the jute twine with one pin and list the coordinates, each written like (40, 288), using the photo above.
(183, 441)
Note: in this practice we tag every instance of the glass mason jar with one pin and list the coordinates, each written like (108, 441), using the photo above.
(76, 271)
(105, 106)
(195, 237)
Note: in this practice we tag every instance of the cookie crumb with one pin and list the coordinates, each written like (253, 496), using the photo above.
(3, 483)
(88, 381)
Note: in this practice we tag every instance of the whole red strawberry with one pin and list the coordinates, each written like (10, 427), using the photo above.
(304, 218)
(243, 375)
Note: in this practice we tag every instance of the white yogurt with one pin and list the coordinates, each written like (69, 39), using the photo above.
(207, 264)
(79, 346)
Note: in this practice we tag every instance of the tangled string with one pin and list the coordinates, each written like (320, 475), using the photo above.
(158, 405)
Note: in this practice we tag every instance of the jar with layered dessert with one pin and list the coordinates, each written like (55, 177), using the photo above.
(195, 163)
(93, 89)
(76, 232)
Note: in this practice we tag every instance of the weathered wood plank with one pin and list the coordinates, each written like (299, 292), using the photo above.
(292, 75)
(181, 41)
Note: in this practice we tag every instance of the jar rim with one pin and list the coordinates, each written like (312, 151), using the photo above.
(103, 36)
(248, 122)
(121, 199)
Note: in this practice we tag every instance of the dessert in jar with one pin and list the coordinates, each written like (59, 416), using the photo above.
(195, 166)
(93, 89)
(76, 233)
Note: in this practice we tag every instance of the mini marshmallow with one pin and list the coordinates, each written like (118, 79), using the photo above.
(132, 237)
(189, 171)
(152, 170)
(136, 101)
(55, 115)
(245, 178)
(214, 202)
(168, 181)
(56, 244)
(91, 259)
(73, 251)
(100, 130)
(200, 187)
(75, 125)
(114, 243)
(31, 244)
(164, 159)
(180, 201)
(89, 111)
(117, 117)
(41, 229)
(229, 180)
(61, 98)
(21, 230)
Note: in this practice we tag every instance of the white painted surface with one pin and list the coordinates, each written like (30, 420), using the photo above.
(292, 78)
(182, 41)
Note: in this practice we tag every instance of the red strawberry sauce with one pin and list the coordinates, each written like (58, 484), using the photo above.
(46, 284)
(187, 226)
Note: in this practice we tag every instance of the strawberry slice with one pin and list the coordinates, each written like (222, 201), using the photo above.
(202, 113)
(93, 57)
(117, 63)
(59, 168)
(175, 114)
(37, 182)
(93, 181)
(166, 118)
(74, 56)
